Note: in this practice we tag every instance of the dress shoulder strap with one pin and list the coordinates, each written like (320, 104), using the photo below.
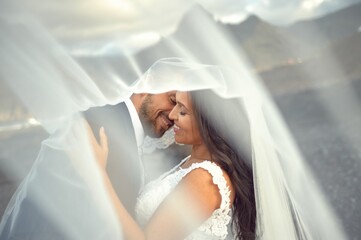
(218, 179)
(174, 168)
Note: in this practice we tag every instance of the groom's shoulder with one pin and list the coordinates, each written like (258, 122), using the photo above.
(106, 108)
(107, 114)
(114, 117)
(119, 110)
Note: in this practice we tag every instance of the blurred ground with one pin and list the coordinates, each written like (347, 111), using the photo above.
(331, 148)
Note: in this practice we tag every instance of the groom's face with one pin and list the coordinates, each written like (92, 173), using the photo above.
(154, 112)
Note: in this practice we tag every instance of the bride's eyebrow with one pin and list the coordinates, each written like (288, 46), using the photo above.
(182, 105)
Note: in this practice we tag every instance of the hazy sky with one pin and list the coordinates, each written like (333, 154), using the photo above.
(98, 27)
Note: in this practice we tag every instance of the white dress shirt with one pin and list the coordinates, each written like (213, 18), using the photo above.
(139, 133)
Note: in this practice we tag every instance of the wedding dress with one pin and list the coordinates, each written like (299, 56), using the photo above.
(217, 226)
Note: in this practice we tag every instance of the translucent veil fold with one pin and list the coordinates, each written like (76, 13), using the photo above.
(44, 63)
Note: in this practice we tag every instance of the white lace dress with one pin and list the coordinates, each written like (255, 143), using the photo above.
(217, 226)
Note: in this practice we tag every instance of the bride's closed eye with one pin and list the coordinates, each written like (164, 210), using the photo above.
(182, 109)
(182, 113)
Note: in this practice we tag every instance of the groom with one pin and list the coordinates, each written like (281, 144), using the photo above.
(126, 125)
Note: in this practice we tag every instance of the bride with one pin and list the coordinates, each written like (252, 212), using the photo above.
(210, 192)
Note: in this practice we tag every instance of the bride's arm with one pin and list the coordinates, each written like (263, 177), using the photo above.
(192, 201)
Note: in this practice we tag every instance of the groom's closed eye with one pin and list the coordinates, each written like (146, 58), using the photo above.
(172, 101)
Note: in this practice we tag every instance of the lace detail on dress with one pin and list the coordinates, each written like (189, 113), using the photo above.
(215, 227)
(217, 224)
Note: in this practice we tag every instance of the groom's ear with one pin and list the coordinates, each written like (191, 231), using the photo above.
(138, 96)
(142, 96)
(137, 99)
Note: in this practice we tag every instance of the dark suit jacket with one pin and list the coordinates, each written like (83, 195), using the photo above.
(70, 199)
(123, 160)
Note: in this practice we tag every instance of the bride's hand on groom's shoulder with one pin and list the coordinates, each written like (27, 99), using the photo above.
(100, 149)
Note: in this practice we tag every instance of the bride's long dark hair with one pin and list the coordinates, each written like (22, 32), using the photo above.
(225, 130)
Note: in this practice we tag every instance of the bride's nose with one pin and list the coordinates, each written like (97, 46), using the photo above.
(173, 115)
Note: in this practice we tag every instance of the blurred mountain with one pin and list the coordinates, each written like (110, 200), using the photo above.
(264, 44)
(268, 46)
(335, 63)
(346, 53)
(329, 28)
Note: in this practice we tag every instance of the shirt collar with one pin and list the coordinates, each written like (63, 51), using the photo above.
(137, 125)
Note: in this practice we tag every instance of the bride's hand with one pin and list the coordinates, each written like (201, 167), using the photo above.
(100, 149)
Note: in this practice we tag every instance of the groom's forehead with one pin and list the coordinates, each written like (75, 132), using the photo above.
(169, 93)
(164, 97)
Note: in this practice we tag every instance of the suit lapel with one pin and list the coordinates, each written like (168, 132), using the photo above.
(123, 165)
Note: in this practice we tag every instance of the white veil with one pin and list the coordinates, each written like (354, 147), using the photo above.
(58, 59)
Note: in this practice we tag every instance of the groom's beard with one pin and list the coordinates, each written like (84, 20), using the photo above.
(150, 124)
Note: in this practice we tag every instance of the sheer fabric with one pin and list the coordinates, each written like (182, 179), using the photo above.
(41, 63)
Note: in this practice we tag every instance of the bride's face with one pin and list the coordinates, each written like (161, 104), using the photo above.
(154, 112)
(185, 126)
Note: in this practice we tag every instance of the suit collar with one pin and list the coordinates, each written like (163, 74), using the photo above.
(137, 125)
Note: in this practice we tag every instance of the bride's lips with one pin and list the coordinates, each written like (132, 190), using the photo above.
(175, 128)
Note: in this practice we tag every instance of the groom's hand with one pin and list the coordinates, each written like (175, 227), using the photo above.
(100, 149)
